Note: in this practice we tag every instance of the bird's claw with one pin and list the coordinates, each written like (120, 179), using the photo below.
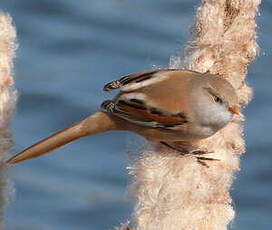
(199, 152)
(201, 160)
(182, 150)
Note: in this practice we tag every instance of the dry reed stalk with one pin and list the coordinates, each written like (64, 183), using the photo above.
(7, 99)
(175, 192)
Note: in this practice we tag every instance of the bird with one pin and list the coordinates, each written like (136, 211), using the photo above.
(163, 105)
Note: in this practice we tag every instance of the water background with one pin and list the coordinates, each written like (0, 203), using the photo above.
(68, 50)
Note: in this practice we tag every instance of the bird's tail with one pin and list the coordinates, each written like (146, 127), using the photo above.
(94, 124)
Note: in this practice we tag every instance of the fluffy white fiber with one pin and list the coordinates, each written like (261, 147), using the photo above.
(7, 100)
(175, 192)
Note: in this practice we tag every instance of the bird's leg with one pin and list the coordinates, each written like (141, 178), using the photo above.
(201, 160)
(196, 153)
(202, 152)
(182, 150)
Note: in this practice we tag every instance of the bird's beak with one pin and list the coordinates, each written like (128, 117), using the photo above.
(234, 109)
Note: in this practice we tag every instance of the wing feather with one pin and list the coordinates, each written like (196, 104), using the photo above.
(142, 114)
(137, 80)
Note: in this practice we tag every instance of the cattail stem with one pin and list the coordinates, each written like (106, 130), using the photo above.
(174, 192)
(7, 99)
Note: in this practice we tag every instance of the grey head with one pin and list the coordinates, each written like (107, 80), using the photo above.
(214, 101)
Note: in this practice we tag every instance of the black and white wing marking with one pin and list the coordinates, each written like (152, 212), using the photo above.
(137, 112)
(138, 80)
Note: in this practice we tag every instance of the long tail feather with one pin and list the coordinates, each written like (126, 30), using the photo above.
(96, 123)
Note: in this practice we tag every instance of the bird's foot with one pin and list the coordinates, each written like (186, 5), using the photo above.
(182, 150)
(198, 152)
(200, 159)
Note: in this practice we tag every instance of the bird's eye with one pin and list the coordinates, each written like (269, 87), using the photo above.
(217, 99)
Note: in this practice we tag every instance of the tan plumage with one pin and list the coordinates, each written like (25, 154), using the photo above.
(165, 105)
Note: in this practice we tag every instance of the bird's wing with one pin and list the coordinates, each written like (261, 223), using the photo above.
(138, 80)
(138, 112)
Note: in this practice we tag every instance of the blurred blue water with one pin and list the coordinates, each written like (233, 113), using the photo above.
(68, 50)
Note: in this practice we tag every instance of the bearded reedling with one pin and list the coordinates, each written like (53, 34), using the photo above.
(164, 105)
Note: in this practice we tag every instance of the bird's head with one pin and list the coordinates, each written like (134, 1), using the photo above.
(218, 103)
